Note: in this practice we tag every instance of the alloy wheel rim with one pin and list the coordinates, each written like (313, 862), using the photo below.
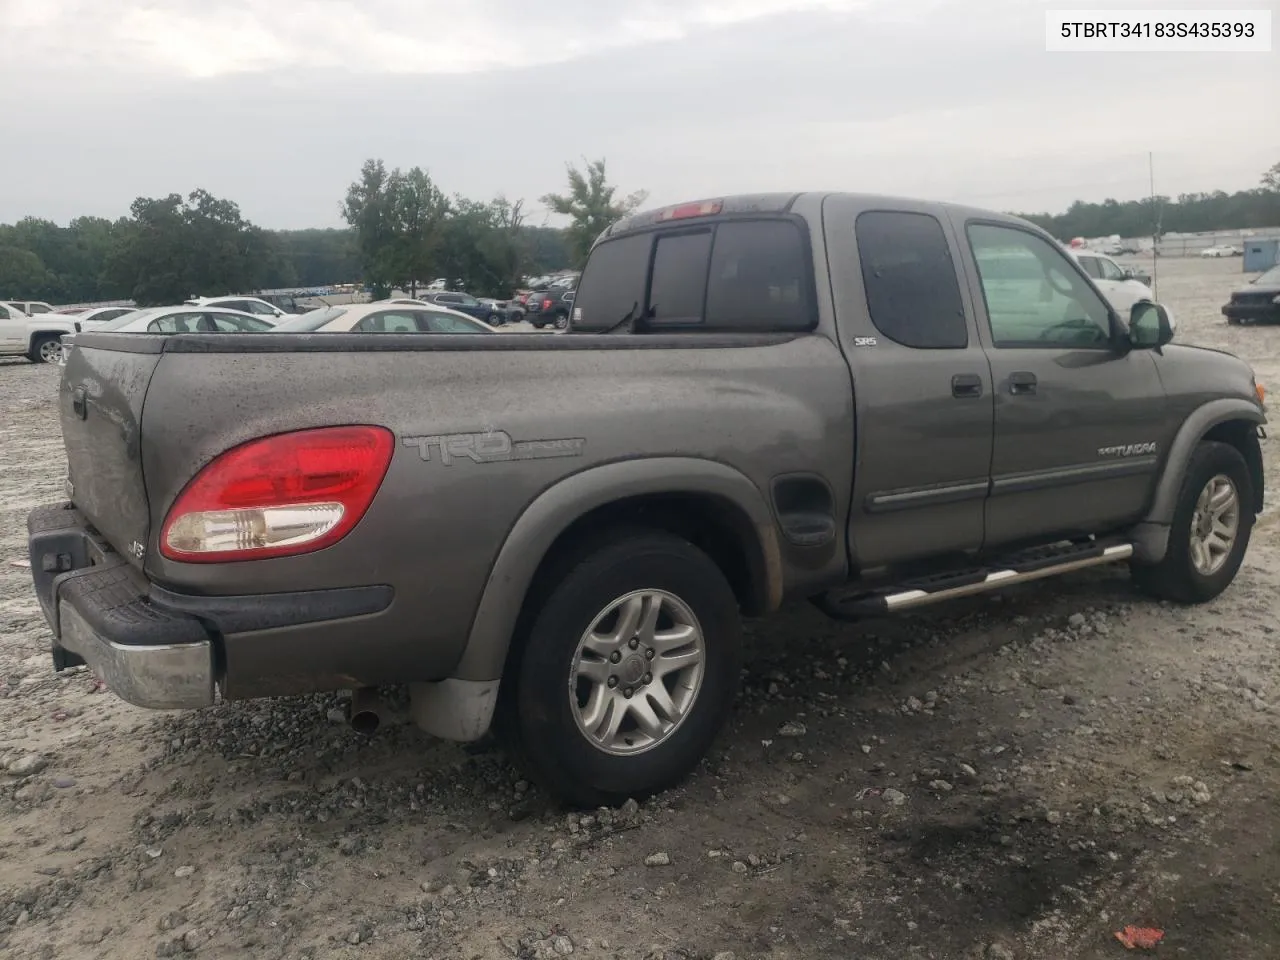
(50, 350)
(1215, 525)
(637, 672)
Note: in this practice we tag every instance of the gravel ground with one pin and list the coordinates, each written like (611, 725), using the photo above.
(1013, 776)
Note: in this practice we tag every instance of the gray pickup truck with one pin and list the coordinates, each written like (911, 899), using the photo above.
(871, 403)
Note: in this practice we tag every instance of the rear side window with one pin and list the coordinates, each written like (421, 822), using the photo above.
(759, 278)
(1091, 266)
(913, 294)
(741, 275)
(679, 283)
(613, 283)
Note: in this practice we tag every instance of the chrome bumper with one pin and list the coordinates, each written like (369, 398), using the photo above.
(165, 677)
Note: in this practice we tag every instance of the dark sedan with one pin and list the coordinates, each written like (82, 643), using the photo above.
(465, 303)
(1258, 302)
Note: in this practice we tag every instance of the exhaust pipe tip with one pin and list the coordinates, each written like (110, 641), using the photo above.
(365, 711)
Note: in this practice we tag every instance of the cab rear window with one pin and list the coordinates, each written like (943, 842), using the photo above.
(732, 275)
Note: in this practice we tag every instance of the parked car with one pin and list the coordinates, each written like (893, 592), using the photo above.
(549, 308)
(384, 317)
(30, 307)
(1120, 286)
(465, 303)
(289, 303)
(187, 318)
(251, 305)
(563, 532)
(97, 316)
(38, 338)
(1256, 302)
(1225, 250)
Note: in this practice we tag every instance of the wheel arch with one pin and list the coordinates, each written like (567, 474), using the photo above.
(1227, 420)
(715, 506)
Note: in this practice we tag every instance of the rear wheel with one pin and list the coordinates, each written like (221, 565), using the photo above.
(46, 349)
(562, 321)
(628, 672)
(1211, 526)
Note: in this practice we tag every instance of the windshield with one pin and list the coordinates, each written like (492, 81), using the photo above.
(309, 321)
(1272, 276)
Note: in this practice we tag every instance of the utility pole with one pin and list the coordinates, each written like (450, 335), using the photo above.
(1155, 229)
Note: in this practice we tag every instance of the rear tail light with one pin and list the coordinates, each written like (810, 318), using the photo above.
(546, 304)
(278, 496)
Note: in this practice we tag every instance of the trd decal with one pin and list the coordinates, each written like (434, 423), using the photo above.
(496, 446)
(1128, 450)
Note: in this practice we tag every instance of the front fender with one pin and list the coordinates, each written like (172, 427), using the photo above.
(1152, 534)
(556, 508)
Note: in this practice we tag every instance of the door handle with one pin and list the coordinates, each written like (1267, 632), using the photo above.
(966, 385)
(1022, 382)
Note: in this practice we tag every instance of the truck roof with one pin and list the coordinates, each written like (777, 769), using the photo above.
(776, 203)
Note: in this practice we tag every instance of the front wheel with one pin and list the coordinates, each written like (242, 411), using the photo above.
(1212, 522)
(495, 320)
(629, 670)
(46, 349)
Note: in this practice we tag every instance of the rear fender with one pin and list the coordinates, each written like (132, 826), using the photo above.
(1151, 536)
(556, 509)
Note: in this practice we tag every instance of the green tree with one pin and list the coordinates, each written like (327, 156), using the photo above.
(417, 211)
(22, 274)
(590, 206)
(170, 249)
(368, 209)
(1271, 179)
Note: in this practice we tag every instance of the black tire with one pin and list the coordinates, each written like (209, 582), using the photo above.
(495, 320)
(1176, 577)
(1233, 321)
(537, 325)
(40, 349)
(540, 721)
(562, 321)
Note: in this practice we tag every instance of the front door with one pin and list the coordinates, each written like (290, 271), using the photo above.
(922, 385)
(1078, 417)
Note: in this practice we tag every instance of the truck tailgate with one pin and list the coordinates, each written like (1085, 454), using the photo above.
(100, 405)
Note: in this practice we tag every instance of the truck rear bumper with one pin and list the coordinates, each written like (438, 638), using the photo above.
(161, 676)
(154, 647)
(101, 615)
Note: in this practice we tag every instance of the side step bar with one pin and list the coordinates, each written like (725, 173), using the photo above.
(982, 582)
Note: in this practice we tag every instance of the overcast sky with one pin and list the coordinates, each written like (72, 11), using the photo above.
(275, 103)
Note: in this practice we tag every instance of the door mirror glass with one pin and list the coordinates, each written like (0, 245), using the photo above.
(1149, 325)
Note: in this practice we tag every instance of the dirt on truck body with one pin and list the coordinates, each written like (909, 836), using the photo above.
(872, 403)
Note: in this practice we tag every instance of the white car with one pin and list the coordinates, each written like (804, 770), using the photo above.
(1225, 250)
(254, 305)
(94, 318)
(36, 338)
(384, 317)
(1120, 289)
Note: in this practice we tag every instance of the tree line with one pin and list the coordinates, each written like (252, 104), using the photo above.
(1187, 213)
(402, 229)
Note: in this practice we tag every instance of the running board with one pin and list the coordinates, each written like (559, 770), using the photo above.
(984, 581)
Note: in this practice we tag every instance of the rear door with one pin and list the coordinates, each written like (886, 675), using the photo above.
(1077, 418)
(922, 384)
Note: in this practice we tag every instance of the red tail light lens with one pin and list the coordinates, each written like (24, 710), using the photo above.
(546, 304)
(278, 496)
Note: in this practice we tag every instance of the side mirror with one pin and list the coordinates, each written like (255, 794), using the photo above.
(1150, 326)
